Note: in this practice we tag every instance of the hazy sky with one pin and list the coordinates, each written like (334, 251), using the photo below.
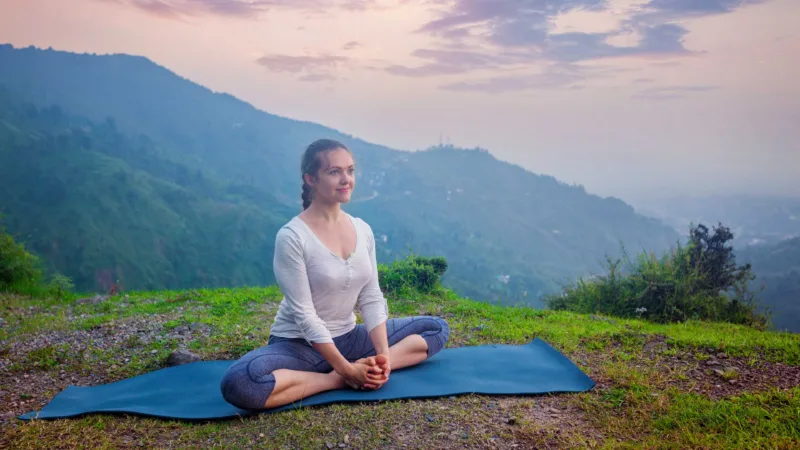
(630, 98)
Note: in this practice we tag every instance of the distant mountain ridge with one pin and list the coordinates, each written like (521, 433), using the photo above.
(508, 234)
(777, 269)
(754, 220)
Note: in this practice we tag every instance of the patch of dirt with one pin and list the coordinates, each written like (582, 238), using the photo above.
(494, 422)
(731, 377)
(720, 376)
(23, 393)
(29, 388)
(717, 376)
(140, 331)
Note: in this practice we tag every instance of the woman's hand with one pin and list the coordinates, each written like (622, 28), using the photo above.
(364, 374)
(380, 368)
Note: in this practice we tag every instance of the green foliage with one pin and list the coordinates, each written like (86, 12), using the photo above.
(438, 263)
(698, 281)
(19, 269)
(60, 286)
(412, 274)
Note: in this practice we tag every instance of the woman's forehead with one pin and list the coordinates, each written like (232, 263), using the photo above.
(338, 158)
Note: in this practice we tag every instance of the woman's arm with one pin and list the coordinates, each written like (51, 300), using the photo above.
(381, 344)
(373, 306)
(379, 339)
(371, 302)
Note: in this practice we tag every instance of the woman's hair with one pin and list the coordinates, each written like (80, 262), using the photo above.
(311, 163)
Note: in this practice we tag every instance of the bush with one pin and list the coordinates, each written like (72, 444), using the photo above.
(19, 270)
(699, 281)
(414, 273)
(439, 263)
(60, 286)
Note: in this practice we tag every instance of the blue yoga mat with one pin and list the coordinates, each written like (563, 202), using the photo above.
(191, 391)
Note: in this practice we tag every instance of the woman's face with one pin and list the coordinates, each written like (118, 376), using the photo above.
(336, 177)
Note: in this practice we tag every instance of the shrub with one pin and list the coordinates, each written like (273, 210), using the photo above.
(60, 286)
(19, 269)
(698, 281)
(414, 273)
(21, 272)
(439, 263)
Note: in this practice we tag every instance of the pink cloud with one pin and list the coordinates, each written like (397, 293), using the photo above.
(310, 68)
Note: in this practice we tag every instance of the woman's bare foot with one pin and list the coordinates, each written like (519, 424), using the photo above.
(373, 371)
(369, 361)
(374, 362)
(383, 365)
(379, 368)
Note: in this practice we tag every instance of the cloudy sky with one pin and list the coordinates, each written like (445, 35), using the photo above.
(631, 98)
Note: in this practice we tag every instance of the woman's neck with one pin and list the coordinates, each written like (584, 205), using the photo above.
(328, 213)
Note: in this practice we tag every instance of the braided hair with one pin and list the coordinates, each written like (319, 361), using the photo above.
(311, 164)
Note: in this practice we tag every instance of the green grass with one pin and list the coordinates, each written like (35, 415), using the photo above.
(639, 403)
(765, 420)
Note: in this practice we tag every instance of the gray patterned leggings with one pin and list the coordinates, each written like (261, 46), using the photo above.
(249, 381)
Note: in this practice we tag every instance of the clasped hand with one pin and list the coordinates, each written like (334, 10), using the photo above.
(369, 373)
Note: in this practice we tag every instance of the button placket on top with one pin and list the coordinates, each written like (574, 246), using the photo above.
(349, 271)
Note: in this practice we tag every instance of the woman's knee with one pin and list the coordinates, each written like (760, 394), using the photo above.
(437, 335)
(242, 391)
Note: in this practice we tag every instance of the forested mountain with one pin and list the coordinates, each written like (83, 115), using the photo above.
(102, 207)
(116, 168)
(777, 268)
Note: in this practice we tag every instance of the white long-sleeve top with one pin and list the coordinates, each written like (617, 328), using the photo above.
(320, 288)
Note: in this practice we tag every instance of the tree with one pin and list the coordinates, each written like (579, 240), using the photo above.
(715, 261)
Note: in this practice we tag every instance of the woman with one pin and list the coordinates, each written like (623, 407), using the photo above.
(325, 265)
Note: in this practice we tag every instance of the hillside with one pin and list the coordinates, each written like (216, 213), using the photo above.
(103, 207)
(692, 385)
(509, 235)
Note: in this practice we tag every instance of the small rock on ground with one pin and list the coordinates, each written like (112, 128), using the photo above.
(182, 357)
(197, 326)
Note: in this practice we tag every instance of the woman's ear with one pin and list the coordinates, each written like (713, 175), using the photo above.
(309, 179)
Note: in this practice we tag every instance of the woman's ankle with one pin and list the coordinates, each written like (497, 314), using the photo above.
(337, 381)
